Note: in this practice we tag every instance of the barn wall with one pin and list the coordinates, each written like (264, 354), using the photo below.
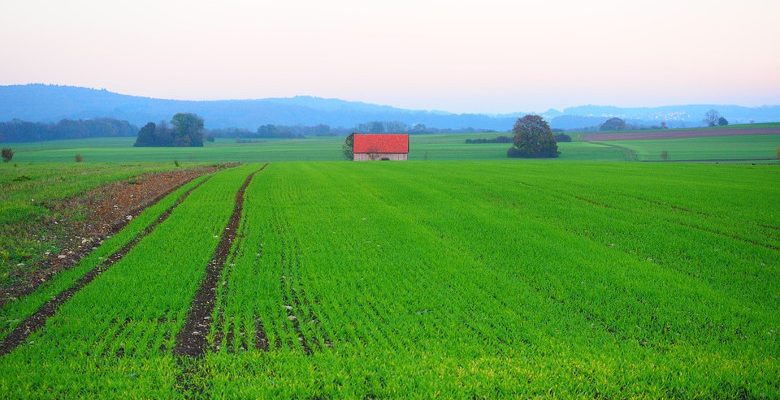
(391, 156)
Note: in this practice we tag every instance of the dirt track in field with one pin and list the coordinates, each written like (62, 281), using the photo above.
(191, 340)
(38, 319)
(107, 210)
(678, 133)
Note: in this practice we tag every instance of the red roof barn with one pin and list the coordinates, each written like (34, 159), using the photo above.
(380, 146)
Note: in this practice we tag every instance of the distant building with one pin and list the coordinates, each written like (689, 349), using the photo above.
(380, 146)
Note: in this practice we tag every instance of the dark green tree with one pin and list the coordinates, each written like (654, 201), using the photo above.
(146, 136)
(8, 154)
(347, 147)
(722, 121)
(533, 138)
(187, 130)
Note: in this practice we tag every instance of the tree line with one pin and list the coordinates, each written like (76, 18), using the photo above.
(711, 118)
(23, 131)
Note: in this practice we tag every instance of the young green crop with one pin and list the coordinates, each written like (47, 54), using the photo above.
(498, 279)
(18, 309)
(116, 333)
(502, 280)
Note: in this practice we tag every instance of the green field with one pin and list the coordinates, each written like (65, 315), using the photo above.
(748, 147)
(469, 279)
(423, 147)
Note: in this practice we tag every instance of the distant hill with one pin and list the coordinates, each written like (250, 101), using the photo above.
(51, 103)
(679, 116)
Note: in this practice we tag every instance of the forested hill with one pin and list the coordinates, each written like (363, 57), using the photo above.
(51, 103)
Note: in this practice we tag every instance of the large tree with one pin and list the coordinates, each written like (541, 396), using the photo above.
(613, 124)
(146, 136)
(187, 130)
(533, 138)
(711, 117)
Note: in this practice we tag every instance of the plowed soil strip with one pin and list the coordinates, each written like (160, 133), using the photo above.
(102, 221)
(191, 340)
(38, 319)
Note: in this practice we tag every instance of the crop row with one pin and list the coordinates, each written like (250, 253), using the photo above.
(17, 310)
(116, 334)
(498, 281)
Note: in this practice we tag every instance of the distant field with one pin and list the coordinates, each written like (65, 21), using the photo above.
(468, 279)
(678, 134)
(423, 147)
(756, 147)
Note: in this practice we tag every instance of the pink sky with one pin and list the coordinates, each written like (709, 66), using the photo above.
(462, 56)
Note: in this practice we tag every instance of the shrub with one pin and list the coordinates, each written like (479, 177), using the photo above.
(498, 139)
(8, 154)
(665, 155)
(562, 137)
(533, 139)
(176, 163)
(79, 158)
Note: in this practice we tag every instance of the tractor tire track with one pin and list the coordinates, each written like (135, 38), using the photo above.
(191, 339)
(38, 319)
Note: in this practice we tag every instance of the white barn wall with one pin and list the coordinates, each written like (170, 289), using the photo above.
(376, 157)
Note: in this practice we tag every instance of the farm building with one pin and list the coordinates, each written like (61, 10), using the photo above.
(376, 146)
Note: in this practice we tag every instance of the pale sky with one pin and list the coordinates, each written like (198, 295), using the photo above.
(488, 56)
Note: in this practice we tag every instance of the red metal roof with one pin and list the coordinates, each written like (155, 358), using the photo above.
(381, 143)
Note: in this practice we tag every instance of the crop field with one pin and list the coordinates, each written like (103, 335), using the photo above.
(422, 148)
(469, 279)
(758, 148)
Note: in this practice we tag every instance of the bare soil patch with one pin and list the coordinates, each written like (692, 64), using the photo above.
(81, 223)
(678, 133)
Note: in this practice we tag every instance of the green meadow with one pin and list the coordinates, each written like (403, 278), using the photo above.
(422, 147)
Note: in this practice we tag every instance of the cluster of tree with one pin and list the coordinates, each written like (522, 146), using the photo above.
(23, 131)
(613, 124)
(561, 137)
(713, 118)
(7, 154)
(292, 132)
(276, 132)
(618, 124)
(186, 130)
(272, 131)
(533, 138)
(498, 139)
(414, 129)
